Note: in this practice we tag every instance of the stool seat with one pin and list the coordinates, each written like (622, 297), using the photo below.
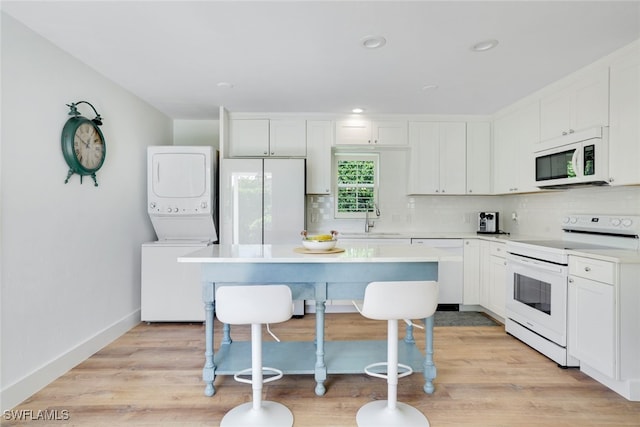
(393, 301)
(256, 305)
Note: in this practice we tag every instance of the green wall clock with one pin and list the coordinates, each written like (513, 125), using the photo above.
(83, 145)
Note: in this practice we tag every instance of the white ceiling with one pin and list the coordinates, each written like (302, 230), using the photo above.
(307, 56)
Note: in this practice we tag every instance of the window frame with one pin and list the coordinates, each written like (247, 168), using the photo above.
(337, 157)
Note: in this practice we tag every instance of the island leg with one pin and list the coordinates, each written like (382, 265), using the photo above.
(320, 369)
(408, 334)
(429, 366)
(209, 370)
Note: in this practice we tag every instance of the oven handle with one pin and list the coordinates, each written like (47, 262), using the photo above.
(535, 263)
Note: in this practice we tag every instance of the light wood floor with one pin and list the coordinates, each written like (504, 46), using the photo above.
(151, 376)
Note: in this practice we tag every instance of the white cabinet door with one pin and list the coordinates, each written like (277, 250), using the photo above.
(471, 272)
(264, 138)
(479, 158)
(249, 138)
(437, 162)
(624, 130)
(515, 136)
(353, 132)
(319, 142)
(287, 138)
(366, 132)
(485, 279)
(592, 326)
(424, 158)
(581, 105)
(389, 132)
(453, 155)
(497, 278)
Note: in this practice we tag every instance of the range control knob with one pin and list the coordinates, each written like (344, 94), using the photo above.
(615, 222)
(627, 222)
(152, 205)
(565, 220)
(573, 220)
(203, 204)
(169, 210)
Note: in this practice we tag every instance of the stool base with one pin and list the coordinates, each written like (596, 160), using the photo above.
(378, 414)
(270, 414)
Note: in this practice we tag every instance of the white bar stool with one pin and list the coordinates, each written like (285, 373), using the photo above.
(393, 301)
(256, 305)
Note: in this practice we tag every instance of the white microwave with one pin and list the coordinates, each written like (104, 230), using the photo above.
(579, 158)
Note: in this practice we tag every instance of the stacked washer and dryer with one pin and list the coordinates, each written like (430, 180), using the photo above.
(181, 203)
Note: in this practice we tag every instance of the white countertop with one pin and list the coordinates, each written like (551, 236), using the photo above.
(354, 252)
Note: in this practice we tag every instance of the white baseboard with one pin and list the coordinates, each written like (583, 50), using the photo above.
(22, 389)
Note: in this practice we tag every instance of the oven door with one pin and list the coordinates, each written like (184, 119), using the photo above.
(537, 296)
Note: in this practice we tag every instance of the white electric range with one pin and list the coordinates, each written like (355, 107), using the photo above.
(537, 278)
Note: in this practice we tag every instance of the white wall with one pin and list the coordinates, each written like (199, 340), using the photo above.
(70, 266)
(196, 132)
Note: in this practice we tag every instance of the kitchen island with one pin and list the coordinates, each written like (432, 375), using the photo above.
(315, 277)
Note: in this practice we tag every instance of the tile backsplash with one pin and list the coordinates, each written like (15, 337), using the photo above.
(537, 214)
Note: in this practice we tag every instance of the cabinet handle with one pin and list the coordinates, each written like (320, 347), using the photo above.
(470, 191)
(571, 131)
(587, 269)
(564, 132)
(443, 191)
(272, 153)
(570, 280)
(266, 152)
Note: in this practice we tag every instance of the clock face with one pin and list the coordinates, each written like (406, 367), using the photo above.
(88, 146)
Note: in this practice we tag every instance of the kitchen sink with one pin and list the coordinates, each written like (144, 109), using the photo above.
(364, 235)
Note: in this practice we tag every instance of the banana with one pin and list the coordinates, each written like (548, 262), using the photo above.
(321, 237)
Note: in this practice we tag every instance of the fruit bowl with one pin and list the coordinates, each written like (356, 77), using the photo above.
(319, 242)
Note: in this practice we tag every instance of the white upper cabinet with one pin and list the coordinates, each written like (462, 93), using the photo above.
(265, 138)
(581, 105)
(248, 138)
(514, 139)
(319, 142)
(437, 162)
(479, 158)
(366, 132)
(288, 138)
(624, 131)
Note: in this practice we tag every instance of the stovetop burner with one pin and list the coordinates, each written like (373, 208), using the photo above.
(582, 232)
(561, 244)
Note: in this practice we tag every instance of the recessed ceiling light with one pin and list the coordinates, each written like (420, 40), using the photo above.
(357, 110)
(429, 87)
(225, 85)
(484, 45)
(373, 42)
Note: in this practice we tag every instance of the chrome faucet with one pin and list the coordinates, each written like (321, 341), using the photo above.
(370, 224)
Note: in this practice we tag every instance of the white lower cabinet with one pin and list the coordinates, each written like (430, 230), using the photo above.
(497, 275)
(592, 324)
(603, 320)
(485, 275)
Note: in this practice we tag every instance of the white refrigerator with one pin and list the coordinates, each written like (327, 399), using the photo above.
(262, 201)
